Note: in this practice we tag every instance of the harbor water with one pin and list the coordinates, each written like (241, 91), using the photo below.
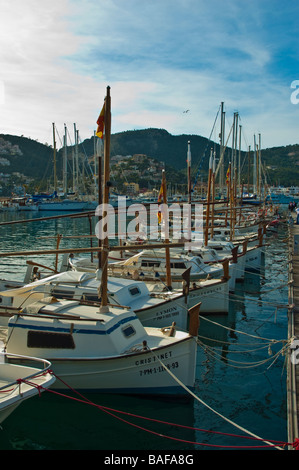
(240, 387)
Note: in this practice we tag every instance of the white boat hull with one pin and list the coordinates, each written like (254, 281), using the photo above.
(213, 295)
(162, 315)
(104, 352)
(213, 298)
(131, 374)
(12, 393)
(63, 206)
(253, 259)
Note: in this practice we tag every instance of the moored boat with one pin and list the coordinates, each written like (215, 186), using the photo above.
(19, 381)
(106, 349)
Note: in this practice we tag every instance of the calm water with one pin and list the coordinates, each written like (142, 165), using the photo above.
(236, 374)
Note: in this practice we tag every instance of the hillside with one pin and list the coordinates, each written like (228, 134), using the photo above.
(35, 160)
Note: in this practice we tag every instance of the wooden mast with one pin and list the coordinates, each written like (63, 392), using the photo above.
(189, 172)
(65, 186)
(54, 158)
(167, 253)
(213, 196)
(105, 245)
(208, 199)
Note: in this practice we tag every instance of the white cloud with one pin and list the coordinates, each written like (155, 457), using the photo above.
(159, 57)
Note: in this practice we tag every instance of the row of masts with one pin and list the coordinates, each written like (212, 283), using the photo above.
(78, 171)
(235, 159)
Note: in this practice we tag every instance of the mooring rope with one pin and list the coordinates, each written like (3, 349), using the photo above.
(110, 411)
(210, 408)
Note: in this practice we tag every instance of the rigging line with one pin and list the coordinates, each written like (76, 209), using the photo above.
(238, 298)
(239, 365)
(259, 301)
(60, 140)
(209, 407)
(85, 160)
(110, 410)
(201, 161)
(243, 365)
(228, 343)
(236, 331)
(285, 344)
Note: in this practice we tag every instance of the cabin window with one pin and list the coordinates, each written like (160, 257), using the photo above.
(64, 294)
(134, 290)
(91, 297)
(178, 265)
(128, 331)
(150, 264)
(42, 339)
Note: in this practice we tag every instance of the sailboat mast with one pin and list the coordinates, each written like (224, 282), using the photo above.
(213, 194)
(260, 167)
(189, 172)
(248, 178)
(239, 166)
(236, 140)
(54, 158)
(65, 161)
(107, 121)
(208, 198)
(76, 159)
(222, 124)
(167, 252)
(254, 168)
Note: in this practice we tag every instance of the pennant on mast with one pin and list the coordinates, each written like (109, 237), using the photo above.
(160, 197)
(101, 123)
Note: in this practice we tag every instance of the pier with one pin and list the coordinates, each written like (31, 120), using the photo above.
(293, 332)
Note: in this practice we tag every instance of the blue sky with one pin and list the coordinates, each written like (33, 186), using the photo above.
(160, 58)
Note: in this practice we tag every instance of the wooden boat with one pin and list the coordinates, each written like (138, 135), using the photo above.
(153, 263)
(254, 247)
(105, 349)
(208, 255)
(157, 309)
(18, 381)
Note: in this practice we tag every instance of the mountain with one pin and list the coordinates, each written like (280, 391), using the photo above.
(26, 156)
(33, 159)
(155, 143)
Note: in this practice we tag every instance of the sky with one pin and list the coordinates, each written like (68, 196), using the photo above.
(160, 58)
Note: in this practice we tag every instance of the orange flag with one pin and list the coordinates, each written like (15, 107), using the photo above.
(101, 123)
(227, 176)
(160, 197)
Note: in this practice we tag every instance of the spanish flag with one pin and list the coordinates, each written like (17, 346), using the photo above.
(227, 176)
(160, 197)
(101, 123)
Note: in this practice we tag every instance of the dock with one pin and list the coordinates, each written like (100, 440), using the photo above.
(293, 332)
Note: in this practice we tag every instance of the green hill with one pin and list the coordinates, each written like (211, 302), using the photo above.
(24, 155)
(35, 160)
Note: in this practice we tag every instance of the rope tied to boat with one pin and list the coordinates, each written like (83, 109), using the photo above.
(39, 388)
(206, 405)
(110, 411)
(296, 444)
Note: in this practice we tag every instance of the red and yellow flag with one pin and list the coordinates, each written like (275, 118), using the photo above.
(101, 123)
(160, 197)
(227, 176)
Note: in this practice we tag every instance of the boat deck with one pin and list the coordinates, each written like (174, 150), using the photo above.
(293, 332)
